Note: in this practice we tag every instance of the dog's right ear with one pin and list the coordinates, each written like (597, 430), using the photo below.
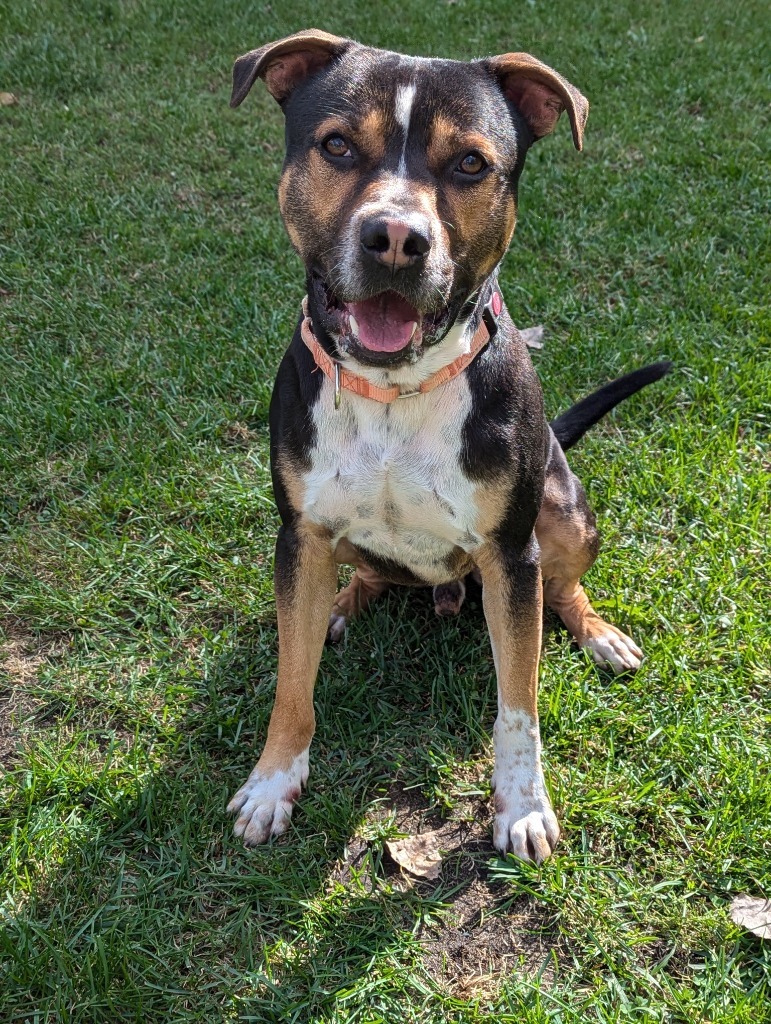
(285, 63)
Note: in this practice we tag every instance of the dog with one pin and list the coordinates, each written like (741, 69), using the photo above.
(408, 436)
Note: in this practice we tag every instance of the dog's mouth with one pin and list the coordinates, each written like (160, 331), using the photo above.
(382, 328)
(384, 323)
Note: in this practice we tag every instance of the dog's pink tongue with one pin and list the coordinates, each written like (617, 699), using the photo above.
(384, 323)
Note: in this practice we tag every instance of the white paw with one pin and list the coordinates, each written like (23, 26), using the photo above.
(525, 824)
(264, 803)
(614, 649)
(530, 833)
(336, 628)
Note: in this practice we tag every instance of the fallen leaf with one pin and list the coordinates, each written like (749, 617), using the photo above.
(752, 913)
(417, 854)
(533, 336)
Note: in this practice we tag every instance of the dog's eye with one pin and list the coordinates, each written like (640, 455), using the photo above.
(472, 163)
(336, 145)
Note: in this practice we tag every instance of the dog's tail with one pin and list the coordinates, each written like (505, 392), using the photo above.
(573, 424)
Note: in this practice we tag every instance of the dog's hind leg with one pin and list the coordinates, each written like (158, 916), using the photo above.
(569, 542)
(365, 586)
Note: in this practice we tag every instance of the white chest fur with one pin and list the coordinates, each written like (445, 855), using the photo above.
(388, 479)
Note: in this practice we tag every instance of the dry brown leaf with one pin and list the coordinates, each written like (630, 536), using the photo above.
(533, 336)
(417, 854)
(7, 99)
(752, 913)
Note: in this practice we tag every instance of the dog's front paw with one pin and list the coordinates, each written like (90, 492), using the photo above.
(264, 803)
(613, 649)
(525, 824)
(530, 833)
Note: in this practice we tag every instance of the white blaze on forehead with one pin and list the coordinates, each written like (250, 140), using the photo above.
(405, 96)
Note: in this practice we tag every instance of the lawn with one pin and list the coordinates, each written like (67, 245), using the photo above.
(147, 291)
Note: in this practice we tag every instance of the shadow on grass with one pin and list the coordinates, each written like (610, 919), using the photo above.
(154, 909)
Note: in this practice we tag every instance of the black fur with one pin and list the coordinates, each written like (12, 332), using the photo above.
(571, 426)
(292, 431)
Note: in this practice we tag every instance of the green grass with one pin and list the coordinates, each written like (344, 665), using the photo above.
(146, 293)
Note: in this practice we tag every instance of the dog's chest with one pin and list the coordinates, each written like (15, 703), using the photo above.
(388, 478)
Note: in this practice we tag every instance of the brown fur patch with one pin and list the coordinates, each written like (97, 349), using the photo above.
(292, 481)
(447, 141)
(303, 613)
(483, 218)
(473, 208)
(569, 543)
(284, 186)
(365, 586)
(346, 554)
(328, 190)
(370, 135)
(459, 564)
(492, 501)
(331, 126)
(516, 642)
(311, 195)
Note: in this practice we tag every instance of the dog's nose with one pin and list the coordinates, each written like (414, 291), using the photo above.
(398, 243)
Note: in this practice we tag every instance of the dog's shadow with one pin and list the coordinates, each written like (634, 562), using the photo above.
(404, 705)
(404, 708)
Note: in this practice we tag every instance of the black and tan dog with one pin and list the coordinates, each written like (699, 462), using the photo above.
(408, 436)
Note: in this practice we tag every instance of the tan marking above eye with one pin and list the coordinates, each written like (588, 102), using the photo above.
(370, 133)
(330, 126)
(367, 135)
(448, 142)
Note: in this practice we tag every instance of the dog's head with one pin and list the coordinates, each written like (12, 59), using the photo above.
(399, 188)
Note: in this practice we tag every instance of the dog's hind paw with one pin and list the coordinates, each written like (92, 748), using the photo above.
(449, 597)
(614, 649)
(264, 803)
(336, 628)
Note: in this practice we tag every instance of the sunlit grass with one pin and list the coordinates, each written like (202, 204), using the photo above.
(146, 293)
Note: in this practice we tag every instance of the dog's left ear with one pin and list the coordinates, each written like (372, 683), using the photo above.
(285, 63)
(540, 94)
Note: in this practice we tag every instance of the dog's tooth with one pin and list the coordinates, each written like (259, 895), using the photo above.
(354, 325)
(414, 328)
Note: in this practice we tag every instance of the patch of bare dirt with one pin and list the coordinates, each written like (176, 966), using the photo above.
(483, 937)
(482, 941)
(20, 662)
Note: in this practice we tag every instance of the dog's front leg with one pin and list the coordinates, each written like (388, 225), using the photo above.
(305, 581)
(512, 598)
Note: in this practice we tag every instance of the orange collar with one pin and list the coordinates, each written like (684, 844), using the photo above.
(344, 379)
